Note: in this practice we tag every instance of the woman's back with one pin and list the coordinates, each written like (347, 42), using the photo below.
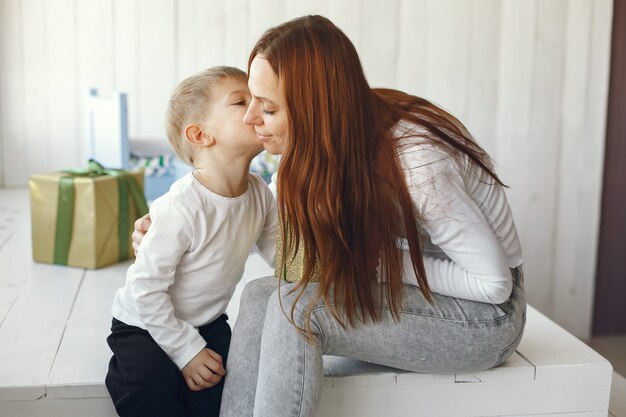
(467, 224)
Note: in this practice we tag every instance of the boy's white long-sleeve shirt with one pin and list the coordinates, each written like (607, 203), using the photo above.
(191, 259)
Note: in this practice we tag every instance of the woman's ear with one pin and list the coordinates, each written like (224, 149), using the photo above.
(197, 137)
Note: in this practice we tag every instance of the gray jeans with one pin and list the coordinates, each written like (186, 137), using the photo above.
(274, 372)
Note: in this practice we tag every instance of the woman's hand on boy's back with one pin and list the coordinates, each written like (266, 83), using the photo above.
(205, 370)
(141, 227)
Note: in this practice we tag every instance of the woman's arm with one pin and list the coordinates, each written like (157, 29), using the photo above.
(477, 267)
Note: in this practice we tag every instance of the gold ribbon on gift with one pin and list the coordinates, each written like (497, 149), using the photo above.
(126, 184)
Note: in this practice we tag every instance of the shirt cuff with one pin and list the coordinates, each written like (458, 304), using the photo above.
(183, 357)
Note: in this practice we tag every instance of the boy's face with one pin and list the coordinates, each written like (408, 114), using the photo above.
(230, 100)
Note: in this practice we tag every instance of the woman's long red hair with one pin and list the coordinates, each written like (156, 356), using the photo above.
(341, 187)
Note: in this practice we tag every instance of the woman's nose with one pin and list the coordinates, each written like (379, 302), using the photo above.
(251, 117)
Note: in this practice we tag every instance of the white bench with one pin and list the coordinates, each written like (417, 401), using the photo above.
(53, 356)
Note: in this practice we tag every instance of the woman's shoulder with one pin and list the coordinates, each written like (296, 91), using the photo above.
(417, 141)
(407, 129)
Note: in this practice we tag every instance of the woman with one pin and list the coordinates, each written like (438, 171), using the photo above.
(410, 254)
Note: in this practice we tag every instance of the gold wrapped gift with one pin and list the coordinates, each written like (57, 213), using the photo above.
(85, 218)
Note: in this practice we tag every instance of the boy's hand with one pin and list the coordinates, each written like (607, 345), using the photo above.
(205, 370)
(141, 227)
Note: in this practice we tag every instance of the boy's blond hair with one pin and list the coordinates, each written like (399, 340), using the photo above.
(190, 102)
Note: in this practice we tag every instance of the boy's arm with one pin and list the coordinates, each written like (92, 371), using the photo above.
(205, 370)
(152, 274)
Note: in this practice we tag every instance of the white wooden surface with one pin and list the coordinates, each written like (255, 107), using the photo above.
(617, 403)
(53, 355)
(528, 77)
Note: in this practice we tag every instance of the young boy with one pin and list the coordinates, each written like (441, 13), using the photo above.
(169, 335)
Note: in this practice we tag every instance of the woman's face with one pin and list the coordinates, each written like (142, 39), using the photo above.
(267, 111)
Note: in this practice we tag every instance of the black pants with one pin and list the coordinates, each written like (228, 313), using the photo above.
(143, 380)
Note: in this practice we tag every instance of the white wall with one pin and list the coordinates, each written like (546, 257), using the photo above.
(528, 77)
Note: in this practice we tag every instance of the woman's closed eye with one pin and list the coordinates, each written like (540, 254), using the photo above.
(268, 112)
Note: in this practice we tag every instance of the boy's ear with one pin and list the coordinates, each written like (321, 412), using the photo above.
(198, 137)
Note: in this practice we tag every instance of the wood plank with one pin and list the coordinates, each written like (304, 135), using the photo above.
(156, 64)
(125, 58)
(580, 174)
(63, 136)
(514, 93)
(545, 344)
(42, 308)
(516, 368)
(262, 16)
(238, 41)
(91, 407)
(79, 407)
(380, 56)
(483, 73)
(10, 82)
(32, 328)
(14, 244)
(411, 75)
(346, 372)
(538, 171)
(515, 97)
(449, 42)
(590, 191)
(295, 9)
(82, 360)
(186, 39)
(12, 94)
(209, 25)
(347, 16)
(617, 403)
(34, 58)
(613, 348)
(575, 78)
(567, 397)
(94, 49)
(9, 218)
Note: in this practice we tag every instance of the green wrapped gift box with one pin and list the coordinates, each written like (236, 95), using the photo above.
(84, 218)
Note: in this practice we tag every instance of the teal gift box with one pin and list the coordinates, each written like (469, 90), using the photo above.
(84, 218)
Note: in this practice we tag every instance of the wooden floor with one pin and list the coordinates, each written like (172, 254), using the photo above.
(612, 348)
(34, 293)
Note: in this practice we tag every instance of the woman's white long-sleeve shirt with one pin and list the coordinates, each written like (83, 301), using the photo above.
(191, 259)
(465, 213)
